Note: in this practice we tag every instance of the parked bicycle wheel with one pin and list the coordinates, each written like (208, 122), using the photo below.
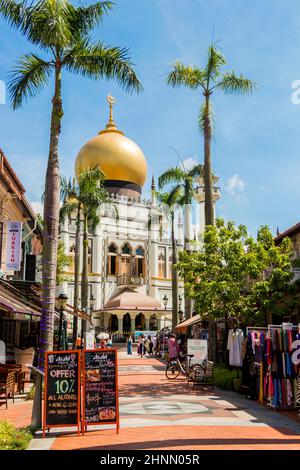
(172, 371)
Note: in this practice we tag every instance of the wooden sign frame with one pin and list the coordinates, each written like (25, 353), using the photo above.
(100, 423)
(48, 426)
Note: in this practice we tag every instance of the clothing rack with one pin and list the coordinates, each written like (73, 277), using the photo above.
(255, 328)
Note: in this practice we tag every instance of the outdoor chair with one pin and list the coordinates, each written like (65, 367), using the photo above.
(7, 385)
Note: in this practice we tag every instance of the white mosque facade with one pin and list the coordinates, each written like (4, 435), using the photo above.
(129, 256)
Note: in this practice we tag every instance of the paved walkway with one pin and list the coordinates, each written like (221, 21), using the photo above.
(156, 413)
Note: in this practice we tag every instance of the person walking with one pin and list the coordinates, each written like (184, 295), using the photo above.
(150, 345)
(172, 347)
(142, 346)
(129, 345)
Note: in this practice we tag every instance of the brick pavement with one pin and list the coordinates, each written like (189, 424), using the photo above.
(160, 414)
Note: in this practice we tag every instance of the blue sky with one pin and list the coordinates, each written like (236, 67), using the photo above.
(256, 146)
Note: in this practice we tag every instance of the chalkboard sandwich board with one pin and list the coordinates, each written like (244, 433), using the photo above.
(100, 387)
(62, 389)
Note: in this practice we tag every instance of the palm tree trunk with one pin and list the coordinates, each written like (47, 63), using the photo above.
(208, 187)
(50, 229)
(187, 247)
(76, 276)
(84, 276)
(174, 277)
(209, 213)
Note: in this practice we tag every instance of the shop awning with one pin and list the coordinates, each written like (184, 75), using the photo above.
(13, 305)
(185, 324)
(79, 313)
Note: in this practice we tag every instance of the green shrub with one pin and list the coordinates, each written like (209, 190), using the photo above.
(223, 377)
(12, 438)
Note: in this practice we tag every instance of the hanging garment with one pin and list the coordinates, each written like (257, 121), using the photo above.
(289, 393)
(235, 346)
(290, 340)
(261, 384)
(298, 391)
(268, 351)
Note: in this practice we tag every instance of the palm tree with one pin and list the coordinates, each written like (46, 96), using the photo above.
(170, 200)
(62, 31)
(184, 190)
(83, 199)
(208, 80)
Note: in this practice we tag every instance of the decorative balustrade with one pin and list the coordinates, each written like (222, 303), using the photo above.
(130, 280)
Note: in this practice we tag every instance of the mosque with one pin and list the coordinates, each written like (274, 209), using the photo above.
(129, 255)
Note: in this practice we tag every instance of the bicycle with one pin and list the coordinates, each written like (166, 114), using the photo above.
(178, 365)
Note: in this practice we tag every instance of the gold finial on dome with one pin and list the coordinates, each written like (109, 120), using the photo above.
(111, 125)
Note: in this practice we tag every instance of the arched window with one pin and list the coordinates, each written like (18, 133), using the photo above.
(112, 248)
(162, 263)
(153, 323)
(126, 249)
(71, 268)
(139, 261)
(140, 251)
(140, 322)
(170, 266)
(112, 260)
(90, 256)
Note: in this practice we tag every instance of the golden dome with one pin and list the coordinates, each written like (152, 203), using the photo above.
(118, 157)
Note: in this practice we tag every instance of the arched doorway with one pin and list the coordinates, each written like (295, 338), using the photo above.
(140, 322)
(126, 324)
(113, 323)
(153, 322)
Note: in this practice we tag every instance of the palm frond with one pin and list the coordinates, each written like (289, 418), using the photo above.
(14, 13)
(234, 84)
(206, 119)
(214, 63)
(67, 209)
(95, 60)
(189, 76)
(86, 18)
(172, 175)
(197, 170)
(29, 75)
(49, 24)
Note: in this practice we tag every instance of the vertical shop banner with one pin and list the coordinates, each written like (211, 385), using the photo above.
(197, 347)
(13, 250)
(62, 389)
(100, 387)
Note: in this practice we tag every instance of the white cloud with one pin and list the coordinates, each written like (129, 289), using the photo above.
(37, 206)
(234, 185)
(190, 162)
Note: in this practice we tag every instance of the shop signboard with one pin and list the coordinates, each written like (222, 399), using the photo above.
(13, 250)
(100, 388)
(198, 348)
(62, 389)
(90, 340)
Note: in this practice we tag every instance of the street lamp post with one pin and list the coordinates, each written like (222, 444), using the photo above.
(180, 312)
(63, 298)
(92, 304)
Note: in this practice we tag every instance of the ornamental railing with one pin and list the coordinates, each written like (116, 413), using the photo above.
(130, 280)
